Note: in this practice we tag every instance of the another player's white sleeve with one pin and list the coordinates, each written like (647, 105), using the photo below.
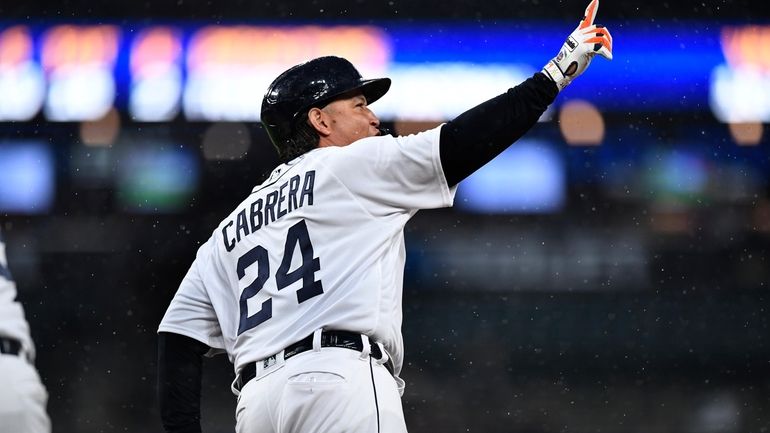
(191, 313)
(395, 173)
(12, 321)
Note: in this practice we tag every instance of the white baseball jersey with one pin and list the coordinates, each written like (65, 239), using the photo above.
(320, 244)
(12, 322)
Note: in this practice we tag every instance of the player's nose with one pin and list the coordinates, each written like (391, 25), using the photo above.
(373, 120)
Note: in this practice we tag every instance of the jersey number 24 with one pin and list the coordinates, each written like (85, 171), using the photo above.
(296, 236)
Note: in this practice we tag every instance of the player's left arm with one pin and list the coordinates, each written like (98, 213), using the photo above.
(483, 132)
(180, 360)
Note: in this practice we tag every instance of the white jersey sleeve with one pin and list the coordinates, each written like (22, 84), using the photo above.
(12, 322)
(191, 312)
(395, 173)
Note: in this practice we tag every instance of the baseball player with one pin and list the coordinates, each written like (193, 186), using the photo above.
(301, 284)
(22, 395)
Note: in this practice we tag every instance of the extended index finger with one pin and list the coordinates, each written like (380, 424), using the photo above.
(590, 14)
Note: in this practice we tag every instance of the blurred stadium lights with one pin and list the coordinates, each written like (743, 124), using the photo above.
(581, 123)
(526, 178)
(740, 89)
(443, 90)
(746, 133)
(27, 181)
(220, 72)
(676, 179)
(101, 132)
(22, 85)
(230, 67)
(159, 177)
(156, 75)
(79, 64)
(105, 77)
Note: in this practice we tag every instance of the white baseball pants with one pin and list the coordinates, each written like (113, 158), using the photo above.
(326, 390)
(22, 397)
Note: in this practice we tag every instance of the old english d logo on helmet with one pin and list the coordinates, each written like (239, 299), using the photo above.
(312, 84)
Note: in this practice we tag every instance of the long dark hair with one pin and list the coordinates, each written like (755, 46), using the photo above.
(303, 139)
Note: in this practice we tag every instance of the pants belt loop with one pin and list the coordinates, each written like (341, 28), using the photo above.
(367, 349)
(317, 340)
(385, 355)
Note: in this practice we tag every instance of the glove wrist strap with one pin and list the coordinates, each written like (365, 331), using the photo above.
(552, 71)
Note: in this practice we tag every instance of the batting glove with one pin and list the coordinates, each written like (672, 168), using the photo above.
(579, 49)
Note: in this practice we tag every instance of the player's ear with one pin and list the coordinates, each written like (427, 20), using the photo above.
(318, 121)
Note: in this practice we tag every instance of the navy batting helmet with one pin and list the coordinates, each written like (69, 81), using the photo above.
(312, 84)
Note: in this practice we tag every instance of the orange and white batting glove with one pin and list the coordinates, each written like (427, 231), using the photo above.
(579, 49)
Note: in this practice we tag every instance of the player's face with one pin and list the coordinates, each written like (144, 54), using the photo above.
(350, 119)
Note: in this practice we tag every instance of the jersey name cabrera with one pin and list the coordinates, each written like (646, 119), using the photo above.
(319, 245)
(265, 210)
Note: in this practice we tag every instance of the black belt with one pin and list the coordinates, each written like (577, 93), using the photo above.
(10, 346)
(344, 339)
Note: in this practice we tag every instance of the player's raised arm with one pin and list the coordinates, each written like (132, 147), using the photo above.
(483, 132)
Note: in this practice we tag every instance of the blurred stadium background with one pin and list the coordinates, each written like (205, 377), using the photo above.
(609, 273)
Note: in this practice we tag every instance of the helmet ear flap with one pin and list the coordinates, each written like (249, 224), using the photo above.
(309, 85)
